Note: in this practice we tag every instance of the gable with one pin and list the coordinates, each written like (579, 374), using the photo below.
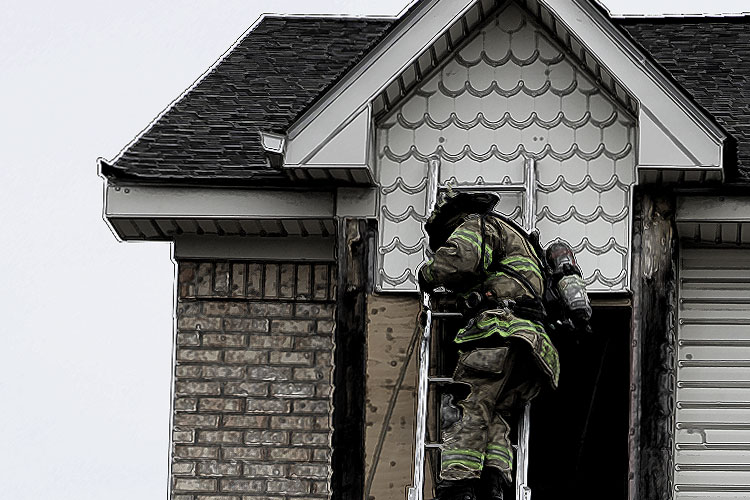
(511, 100)
(674, 133)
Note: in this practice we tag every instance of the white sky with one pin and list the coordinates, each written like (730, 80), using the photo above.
(86, 322)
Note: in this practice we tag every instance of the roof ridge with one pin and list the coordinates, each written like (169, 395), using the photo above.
(682, 18)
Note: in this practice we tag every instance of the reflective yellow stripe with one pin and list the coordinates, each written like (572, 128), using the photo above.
(521, 263)
(476, 241)
(491, 456)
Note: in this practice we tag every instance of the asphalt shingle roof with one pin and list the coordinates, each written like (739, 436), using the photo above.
(280, 68)
(710, 59)
(271, 76)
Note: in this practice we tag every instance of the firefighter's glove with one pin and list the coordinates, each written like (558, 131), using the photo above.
(422, 317)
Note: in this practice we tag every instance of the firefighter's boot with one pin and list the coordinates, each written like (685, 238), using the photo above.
(494, 485)
(462, 489)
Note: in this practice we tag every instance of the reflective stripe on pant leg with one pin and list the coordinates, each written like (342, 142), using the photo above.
(468, 458)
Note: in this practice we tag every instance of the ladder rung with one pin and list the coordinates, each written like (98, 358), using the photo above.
(444, 315)
(433, 446)
(440, 380)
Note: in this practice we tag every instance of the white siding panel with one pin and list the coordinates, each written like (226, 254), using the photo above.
(510, 95)
(712, 438)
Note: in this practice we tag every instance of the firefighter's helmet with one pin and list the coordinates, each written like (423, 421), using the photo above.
(452, 210)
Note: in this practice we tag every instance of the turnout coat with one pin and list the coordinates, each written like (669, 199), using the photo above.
(469, 260)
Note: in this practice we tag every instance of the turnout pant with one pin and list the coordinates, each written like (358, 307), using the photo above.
(500, 380)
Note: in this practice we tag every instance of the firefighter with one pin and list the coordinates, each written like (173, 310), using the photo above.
(505, 353)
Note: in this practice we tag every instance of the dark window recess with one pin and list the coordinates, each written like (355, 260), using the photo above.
(579, 433)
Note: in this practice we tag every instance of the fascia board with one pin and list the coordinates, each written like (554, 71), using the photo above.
(285, 248)
(165, 202)
(713, 209)
(366, 80)
(656, 94)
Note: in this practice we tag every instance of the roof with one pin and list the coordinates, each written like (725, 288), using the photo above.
(212, 134)
(709, 57)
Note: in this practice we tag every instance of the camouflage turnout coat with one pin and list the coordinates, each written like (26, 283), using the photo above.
(465, 264)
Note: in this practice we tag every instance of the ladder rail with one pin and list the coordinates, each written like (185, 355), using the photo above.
(416, 491)
(522, 490)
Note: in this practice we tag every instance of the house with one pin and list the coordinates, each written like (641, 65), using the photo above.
(292, 179)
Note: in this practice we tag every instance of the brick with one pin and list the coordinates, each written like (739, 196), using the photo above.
(271, 341)
(267, 437)
(186, 278)
(194, 484)
(325, 326)
(270, 373)
(292, 422)
(303, 281)
(221, 278)
(214, 468)
(291, 358)
(220, 437)
(246, 388)
(309, 374)
(224, 308)
(322, 423)
(288, 486)
(223, 340)
(190, 420)
(200, 323)
(286, 280)
(188, 371)
(323, 390)
(320, 275)
(289, 454)
(243, 485)
(219, 404)
(183, 497)
(217, 497)
(292, 326)
(188, 339)
(271, 283)
(264, 470)
(188, 309)
(254, 280)
(223, 371)
(237, 286)
(245, 356)
(246, 421)
(205, 356)
(321, 311)
(203, 279)
(270, 309)
(185, 404)
(197, 388)
(311, 406)
(320, 487)
(324, 359)
(183, 436)
(195, 452)
(241, 453)
(321, 455)
(183, 468)
(309, 471)
(245, 325)
(268, 406)
(318, 342)
(292, 390)
(310, 438)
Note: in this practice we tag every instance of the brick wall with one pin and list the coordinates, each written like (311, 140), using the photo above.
(253, 381)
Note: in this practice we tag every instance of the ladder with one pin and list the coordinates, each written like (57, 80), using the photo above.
(425, 380)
